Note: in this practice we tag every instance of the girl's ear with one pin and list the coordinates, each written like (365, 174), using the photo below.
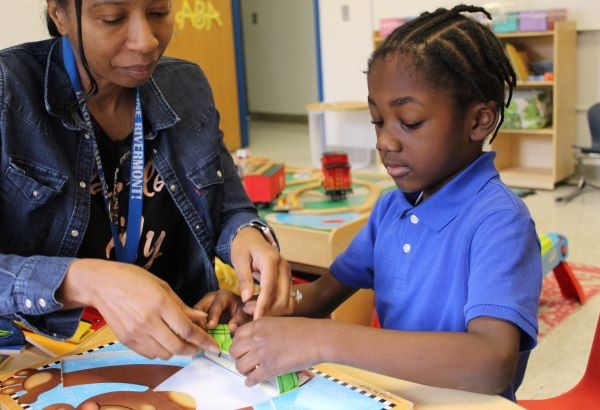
(59, 16)
(485, 120)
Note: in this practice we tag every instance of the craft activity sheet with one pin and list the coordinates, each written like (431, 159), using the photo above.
(113, 376)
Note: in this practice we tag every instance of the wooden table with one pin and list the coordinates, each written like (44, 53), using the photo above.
(422, 396)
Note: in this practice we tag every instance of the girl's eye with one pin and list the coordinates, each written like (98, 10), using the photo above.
(377, 123)
(412, 126)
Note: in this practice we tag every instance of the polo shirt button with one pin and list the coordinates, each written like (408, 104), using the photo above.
(406, 247)
(42, 302)
(219, 173)
(74, 233)
(414, 219)
(28, 304)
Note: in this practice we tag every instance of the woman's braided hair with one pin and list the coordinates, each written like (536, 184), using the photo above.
(454, 51)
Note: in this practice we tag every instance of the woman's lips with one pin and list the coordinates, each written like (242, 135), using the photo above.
(139, 71)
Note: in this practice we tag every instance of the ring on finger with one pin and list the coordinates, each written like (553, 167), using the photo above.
(296, 295)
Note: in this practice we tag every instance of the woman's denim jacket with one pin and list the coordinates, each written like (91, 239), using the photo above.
(46, 165)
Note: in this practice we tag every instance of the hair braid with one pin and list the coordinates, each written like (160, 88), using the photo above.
(455, 52)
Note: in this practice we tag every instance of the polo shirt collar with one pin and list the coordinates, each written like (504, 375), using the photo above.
(443, 206)
(157, 111)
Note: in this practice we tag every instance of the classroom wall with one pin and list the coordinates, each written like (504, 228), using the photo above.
(280, 55)
(21, 21)
(346, 43)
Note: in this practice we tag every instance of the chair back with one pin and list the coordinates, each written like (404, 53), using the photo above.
(592, 371)
(594, 124)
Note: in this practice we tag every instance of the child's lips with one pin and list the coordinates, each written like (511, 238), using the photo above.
(397, 171)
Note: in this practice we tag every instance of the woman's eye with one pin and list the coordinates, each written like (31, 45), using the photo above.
(160, 13)
(377, 123)
(113, 21)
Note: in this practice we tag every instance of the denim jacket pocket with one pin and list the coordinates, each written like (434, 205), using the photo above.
(208, 173)
(208, 178)
(28, 196)
(38, 185)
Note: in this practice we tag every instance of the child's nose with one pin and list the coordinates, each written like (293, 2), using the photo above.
(387, 141)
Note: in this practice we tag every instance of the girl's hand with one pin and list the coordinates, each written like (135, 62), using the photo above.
(253, 257)
(272, 345)
(222, 306)
(142, 310)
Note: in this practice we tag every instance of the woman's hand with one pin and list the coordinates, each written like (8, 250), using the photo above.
(273, 345)
(142, 310)
(253, 257)
(222, 306)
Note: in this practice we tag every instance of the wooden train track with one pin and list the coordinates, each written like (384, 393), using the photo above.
(292, 197)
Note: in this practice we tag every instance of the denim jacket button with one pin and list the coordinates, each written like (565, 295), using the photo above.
(86, 136)
(74, 233)
(42, 302)
(28, 304)
(173, 187)
(219, 173)
(36, 194)
(82, 184)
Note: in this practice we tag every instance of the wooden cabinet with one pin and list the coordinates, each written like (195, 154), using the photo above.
(540, 158)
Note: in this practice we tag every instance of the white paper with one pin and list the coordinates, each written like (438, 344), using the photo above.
(214, 387)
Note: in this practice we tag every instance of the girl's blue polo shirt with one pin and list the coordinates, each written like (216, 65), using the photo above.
(470, 250)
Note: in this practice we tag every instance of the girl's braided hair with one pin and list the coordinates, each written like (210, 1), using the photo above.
(457, 52)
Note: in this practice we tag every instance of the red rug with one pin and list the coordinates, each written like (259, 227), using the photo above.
(554, 307)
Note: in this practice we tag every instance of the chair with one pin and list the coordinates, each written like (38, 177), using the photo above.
(586, 153)
(585, 395)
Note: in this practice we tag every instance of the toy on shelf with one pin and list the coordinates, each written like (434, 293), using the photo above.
(262, 178)
(555, 249)
(336, 175)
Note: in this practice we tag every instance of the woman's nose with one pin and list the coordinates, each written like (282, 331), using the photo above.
(141, 36)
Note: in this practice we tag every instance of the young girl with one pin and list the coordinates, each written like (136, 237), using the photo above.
(116, 190)
(452, 255)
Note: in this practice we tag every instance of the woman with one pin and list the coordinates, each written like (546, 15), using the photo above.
(94, 214)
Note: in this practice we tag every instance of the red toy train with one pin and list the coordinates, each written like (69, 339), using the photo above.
(264, 182)
(336, 175)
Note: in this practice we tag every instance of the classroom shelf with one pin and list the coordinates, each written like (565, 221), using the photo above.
(541, 158)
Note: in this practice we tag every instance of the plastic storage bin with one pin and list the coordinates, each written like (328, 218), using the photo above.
(533, 20)
(342, 126)
(506, 22)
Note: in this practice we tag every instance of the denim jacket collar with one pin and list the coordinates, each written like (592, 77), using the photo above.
(157, 111)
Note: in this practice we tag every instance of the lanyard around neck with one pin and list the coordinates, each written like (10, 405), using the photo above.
(128, 252)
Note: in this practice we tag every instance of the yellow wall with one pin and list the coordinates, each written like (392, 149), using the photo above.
(204, 34)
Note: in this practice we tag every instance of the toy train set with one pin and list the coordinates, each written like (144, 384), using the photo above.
(264, 180)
